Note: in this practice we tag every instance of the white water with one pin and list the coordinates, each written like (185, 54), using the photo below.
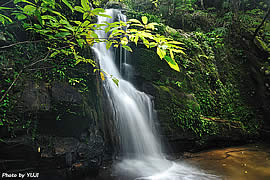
(134, 114)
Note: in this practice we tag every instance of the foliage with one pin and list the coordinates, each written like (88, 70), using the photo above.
(63, 31)
(56, 28)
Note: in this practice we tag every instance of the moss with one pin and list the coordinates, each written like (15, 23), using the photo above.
(207, 88)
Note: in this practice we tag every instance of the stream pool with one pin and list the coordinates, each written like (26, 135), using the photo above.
(248, 162)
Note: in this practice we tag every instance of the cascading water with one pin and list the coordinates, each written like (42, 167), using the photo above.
(134, 114)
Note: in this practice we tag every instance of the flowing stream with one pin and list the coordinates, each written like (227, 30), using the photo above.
(134, 114)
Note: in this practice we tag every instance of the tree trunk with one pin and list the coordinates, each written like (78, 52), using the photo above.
(202, 4)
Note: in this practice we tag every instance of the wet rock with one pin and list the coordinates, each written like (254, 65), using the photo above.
(66, 93)
(36, 97)
(88, 156)
(63, 156)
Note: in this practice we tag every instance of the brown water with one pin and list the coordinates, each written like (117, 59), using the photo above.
(249, 162)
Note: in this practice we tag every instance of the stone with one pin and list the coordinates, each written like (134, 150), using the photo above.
(65, 92)
(36, 96)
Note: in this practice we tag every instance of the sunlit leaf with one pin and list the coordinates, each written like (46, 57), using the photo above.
(81, 42)
(21, 17)
(136, 39)
(144, 20)
(150, 26)
(135, 21)
(174, 42)
(104, 15)
(171, 54)
(97, 11)
(86, 5)
(178, 51)
(29, 9)
(4, 8)
(127, 48)
(18, 1)
(124, 41)
(172, 63)
(116, 81)
(102, 76)
(161, 53)
(79, 9)
(67, 4)
(108, 45)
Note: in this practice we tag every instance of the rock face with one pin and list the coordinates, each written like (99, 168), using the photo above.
(184, 116)
(67, 157)
(65, 131)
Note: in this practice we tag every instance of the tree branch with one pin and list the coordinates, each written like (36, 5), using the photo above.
(259, 27)
(25, 67)
(3, 97)
(7, 3)
(22, 42)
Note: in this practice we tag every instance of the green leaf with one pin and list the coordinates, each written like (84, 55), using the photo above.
(102, 76)
(150, 26)
(79, 9)
(127, 48)
(104, 15)
(108, 45)
(86, 5)
(56, 12)
(144, 20)
(178, 51)
(29, 9)
(172, 63)
(152, 44)
(124, 41)
(85, 15)
(48, 17)
(54, 53)
(62, 34)
(145, 41)
(18, 1)
(5, 17)
(161, 53)
(37, 14)
(68, 5)
(174, 42)
(116, 81)
(97, 11)
(4, 8)
(134, 21)
(21, 17)
(136, 39)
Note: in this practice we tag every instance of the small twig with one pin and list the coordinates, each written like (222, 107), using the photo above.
(25, 67)
(22, 42)
(34, 69)
(27, 42)
(3, 97)
(38, 60)
(7, 3)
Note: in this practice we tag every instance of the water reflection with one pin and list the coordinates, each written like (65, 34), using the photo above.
(237, 163)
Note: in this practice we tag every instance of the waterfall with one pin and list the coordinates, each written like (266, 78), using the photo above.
(134, 114)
